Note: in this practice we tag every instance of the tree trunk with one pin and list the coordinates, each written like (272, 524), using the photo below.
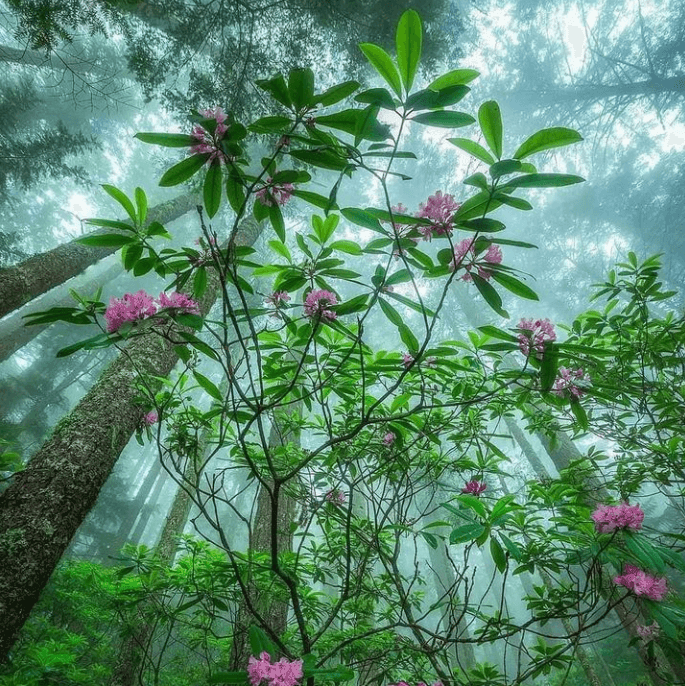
(47, 502)
(14, 335)
(38, 274)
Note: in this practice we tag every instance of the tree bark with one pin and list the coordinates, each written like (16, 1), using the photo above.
(38, 274)
(47, 502)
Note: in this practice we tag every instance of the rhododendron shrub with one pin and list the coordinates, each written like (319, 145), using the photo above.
(327, 381)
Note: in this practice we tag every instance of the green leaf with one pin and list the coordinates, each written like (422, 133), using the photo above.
(349, 247)
(356, 304)
(361, 218)
(212, 189)
(141, 202)
(408, 338)
(301, 87)
(108, 240)
(494, 332)
(183, 170)
(542, 181)
(131, 254)
(467, 532)
(647, 555)
(208, 386)
(430, 539)
(445, 119)
(490, 295)
(102, 340)
(110, 224)
(278, 90)
(276, 124)
(401, 276)
(391, 313)
(360, 123)
(235, 191)
(498, 556)
(490, 120)
(473, 503)
(428, 99)
(199, 283)
(478, 180)
(377, 96)
(456, 77)
(337, 93)
(515, 286)
(167, 140)
(546, 139)
(580, 415)
(473, 148)
(476, 206)
(383, 64)
(518, 203)
(408, 40)
(315, 199)
(484, 224)
(276, 219)
(511, 546)
(281, 249)
(504, 167)
(122, 199)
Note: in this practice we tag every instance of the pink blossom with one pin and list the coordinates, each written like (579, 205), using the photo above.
(281, 673)
(535, 334)
(440, 209)
(316, 302)
(430, 363)
(465, 258)
(336, 497)
(648, 633)
(566, 381)
(208, 143)
(610, 517)
(641, 583)
(131, 307)
(179, 301)
(278, 193)
(407, 360)
(474, 487)
(277, 298)
(150, 418)
(389, 438)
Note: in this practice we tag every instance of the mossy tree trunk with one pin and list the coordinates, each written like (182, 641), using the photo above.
(38, 274)
(47, 502)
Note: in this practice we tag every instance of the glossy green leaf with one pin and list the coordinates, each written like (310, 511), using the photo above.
(494, 332)
(490, 295)
(546, 139)
(183, 170)
(208, 386)
(141, 202)
(580, 415)
(478, 180)
(167, 140)
(349, 247)
(408, 41)
(444, 119)
(483, 224)
(542, 181)
(390, 312)
(277, 88)
(106, 240)
(377, 96)
(408, 338)
(337, 93)
(490, 120)
(518, 203)
(361, 218)
(276, 219)
(276, 124)
(110, 224)
(498, 556)
(200, 283)
(467, 532)
(211, 191)
(473, 148)
(503, 168)
(356, 304)
(122, 199)
(456, 77)
(515, 286)
(301, 87)
(102, 340)
(383, 64)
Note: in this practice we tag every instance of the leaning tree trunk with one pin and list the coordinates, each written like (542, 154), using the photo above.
(273, 611)
(47, 502)
(38, 274)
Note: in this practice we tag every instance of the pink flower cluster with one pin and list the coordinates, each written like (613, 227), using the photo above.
(389, 438)
(278, 298)
(465, 258)
(440, 209)
(641, 583)
(474, 487)
(208, 142)
(316, 302)
(534, 336)
(335, 497)
(278, 193)
(281, 673)
(420, 683)
(407, 359)
(648, 633)
(610, 517)
(150, 418)
(566, 382)
(135, 306)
